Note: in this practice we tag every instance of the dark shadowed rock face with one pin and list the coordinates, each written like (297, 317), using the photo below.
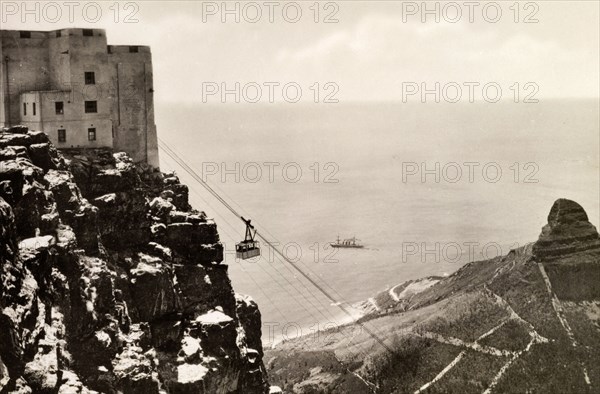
(568, 231)
(111, 282)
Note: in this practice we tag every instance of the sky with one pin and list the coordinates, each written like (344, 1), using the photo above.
(367, 50)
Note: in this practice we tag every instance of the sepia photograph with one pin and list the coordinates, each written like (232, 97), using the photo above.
(299, 197)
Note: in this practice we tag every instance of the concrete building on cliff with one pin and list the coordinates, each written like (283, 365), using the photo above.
(82, 92)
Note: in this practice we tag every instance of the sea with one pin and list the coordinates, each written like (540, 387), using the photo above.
(426, 188)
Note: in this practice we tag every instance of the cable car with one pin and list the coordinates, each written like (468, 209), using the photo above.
(248, 248)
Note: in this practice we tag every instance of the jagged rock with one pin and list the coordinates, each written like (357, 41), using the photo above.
(44, 156)
(160, 208)
(196, 242)
(249, 315)
(114, 295)
(179, 195)
(76, 210)
(83, 222)
(14, 140)
(66, 193)
(187, 217)
(111, 180)
(49, 222)
(31, 208)
(65, 238)
(189, 379)
(42, 373)
(568, 231)
(18, 173)
(215, 330)
(4, 375)
(97, 286)
(202, 288)
(39, 137)
(569, 248)
(166, 334)
(13, 152)
(253, 379)
(134, 371)
(12, 275)
(123, 219)
(8, 239)
(161, 251)
(17, 129)
(153, 289)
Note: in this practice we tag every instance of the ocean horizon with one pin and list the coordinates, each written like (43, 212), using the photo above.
(287, 168)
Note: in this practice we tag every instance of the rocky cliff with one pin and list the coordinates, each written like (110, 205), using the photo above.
(525, 322)
(111, 282)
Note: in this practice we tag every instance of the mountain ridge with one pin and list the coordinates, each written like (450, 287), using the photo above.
(527, 321)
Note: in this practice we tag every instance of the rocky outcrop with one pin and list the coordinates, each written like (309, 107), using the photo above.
(569, 248)
(111, 282)
(568, 232)
(527, 321)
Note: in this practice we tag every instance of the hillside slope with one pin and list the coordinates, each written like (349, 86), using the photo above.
(112, 283)
(525, 322)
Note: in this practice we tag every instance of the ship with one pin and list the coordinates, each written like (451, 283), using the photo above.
(347, 243)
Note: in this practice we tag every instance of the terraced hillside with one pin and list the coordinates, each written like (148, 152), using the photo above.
(525, 322)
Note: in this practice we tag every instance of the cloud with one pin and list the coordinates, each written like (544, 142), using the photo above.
(372, 59)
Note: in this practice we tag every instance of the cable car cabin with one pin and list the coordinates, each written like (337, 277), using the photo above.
(248, 248)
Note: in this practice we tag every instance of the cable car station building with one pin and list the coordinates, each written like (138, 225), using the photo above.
(80, 91)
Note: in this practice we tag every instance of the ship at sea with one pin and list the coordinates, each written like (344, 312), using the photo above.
(346, 243)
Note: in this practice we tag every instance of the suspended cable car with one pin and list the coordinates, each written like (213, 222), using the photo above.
(248, 248)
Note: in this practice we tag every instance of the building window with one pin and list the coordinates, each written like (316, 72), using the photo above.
(91, 107)
(33, 109)
(25, 34)
(25, 109)
(109, 48)
(133, 49)
(59, 107)
(88, 33)
(58, 33)
(92, 134)
(90, 78)
(62, 135)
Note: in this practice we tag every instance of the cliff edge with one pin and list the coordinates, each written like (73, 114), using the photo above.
(111, 282)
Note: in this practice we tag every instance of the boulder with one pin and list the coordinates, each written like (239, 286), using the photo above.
(202, 288)
(44, 156)
(153, 289)
(216, 332)
(195, 242)
(250, 319)
(135, 371)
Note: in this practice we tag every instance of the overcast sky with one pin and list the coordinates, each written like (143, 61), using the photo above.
(372, 49)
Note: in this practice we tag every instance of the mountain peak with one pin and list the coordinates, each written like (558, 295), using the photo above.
(568, 231)
(566, 211)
